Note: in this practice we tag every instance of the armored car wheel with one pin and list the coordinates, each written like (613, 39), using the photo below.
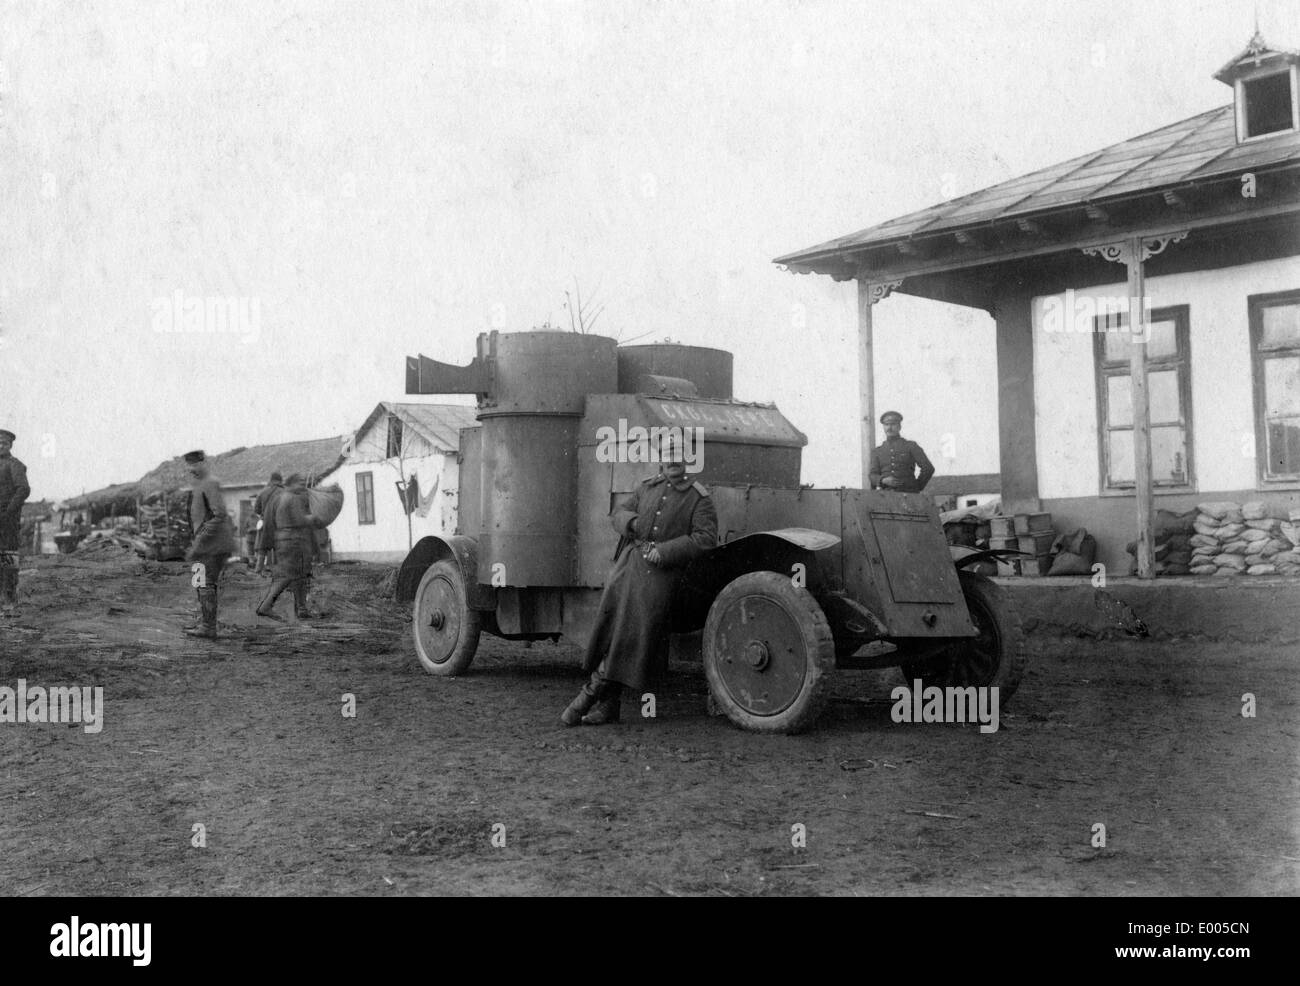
(443, 626)
(996, 658)
(768, 653)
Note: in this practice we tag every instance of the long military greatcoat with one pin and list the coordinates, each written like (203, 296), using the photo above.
(214, 535)
(632, 622)
(264, 539)
(293, 526)
(13, 494)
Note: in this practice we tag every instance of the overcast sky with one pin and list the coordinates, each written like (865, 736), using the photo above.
(378, 179)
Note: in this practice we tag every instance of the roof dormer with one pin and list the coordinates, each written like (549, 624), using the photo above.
(1265, 88)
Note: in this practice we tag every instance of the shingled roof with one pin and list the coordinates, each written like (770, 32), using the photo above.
(251, 466)
(438, 424)
(1197, 149)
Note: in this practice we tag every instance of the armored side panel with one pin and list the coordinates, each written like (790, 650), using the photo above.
(529, 500)
(895, 552)
(741, 444)
(469, 506)
(709, 369)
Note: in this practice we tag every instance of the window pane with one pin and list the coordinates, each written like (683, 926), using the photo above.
(1281, 325)
(1268, 104)
(1168, 455)
(1283, 447)
(1162, 396)
(1162, 342)
(1119, 401)
(1121, 457)
(1115, 345)
(1281, 386)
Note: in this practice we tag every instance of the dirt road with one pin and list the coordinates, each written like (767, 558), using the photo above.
(415, 793)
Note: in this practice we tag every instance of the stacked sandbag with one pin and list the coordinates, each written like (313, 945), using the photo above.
(1173, 535)
(1245, 539)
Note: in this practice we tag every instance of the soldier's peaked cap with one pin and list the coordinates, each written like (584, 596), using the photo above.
(7, 436)
(884, 418)
(195, 456)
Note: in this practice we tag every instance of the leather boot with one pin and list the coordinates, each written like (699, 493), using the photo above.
(301, 609)
(208, 624)
(8, 590)
(606, 709)
(586, 698)
(196, 615)
(267, 606)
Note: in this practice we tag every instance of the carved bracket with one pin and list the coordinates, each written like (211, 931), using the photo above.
(1119, 252)
(881, 290)
(1157, 244)
(1114, 252)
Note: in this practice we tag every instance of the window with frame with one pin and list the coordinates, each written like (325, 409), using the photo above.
(1275, 354)
(1169, 399)
(394, 450)
(365, 498)
(1269, 104)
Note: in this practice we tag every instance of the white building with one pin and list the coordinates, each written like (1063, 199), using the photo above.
(1199, 224)
(403, 455)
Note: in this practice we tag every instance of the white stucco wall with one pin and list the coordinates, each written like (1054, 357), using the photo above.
(1223, 429)
(386, 538)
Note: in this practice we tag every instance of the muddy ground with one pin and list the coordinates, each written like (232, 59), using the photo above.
(246, 737)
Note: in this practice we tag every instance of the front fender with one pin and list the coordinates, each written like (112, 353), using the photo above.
(463, 550)
(759, 551)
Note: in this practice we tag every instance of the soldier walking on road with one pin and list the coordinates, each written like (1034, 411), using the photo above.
(293, 528)
(262, 507)
(214, 540)
(13, 494)
(666, 523)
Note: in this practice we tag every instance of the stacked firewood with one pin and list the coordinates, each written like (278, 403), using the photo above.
(164, 528)
(1245, 539)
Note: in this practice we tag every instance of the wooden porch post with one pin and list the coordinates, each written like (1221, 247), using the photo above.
(1146, 556)
(868, 295)
(1133, 253)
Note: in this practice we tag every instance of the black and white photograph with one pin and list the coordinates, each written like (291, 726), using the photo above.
(767, 448)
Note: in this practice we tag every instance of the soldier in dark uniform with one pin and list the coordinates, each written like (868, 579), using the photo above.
(664, 524)
(262, 507)
(13, 494)
(894, 464)
(214, 540)
(293, 527)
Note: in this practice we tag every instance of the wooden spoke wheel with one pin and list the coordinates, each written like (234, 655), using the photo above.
(768, 653)
(996, 658)
(443, 626)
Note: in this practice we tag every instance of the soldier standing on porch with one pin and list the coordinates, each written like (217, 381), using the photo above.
(13, 494)
(894, 464)
(214, 540)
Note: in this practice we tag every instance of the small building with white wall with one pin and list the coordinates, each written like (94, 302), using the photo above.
(1198, 225)
(400, 478)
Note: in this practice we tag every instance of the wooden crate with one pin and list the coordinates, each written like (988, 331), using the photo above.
(1036, 566)
(1033, 523)
(1002, 527)
(1035, 544)
(1007, 543)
